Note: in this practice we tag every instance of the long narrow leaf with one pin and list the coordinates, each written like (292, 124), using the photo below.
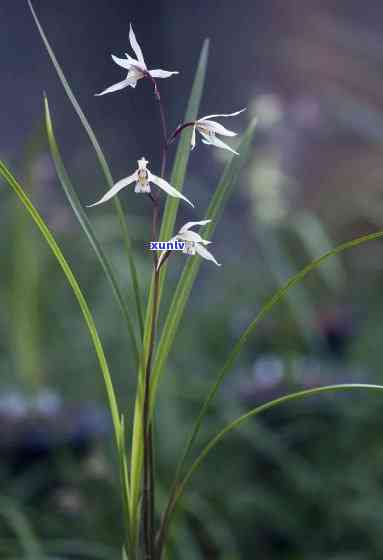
(254, 412)
(189, 273)
(86, 225)
(23, 197)
(102, 161)
(22, 529)
(177, 180)
(265, 309)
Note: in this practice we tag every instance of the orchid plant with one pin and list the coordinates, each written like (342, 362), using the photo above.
(148, 529)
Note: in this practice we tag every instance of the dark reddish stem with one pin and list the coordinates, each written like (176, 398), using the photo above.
(148, 498)
(164, 142)
(178, 130)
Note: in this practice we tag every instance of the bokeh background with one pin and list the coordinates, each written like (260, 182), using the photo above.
(303, 483)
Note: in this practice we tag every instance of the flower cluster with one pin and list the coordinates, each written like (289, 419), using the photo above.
(142, 177)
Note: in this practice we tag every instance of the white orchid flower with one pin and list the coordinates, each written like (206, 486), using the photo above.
(137, 68)
(208, 130)
(142, 177)
(194, 244)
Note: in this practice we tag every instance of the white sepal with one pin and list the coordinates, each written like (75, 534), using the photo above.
(116, 188)
(205, 254)
(136, 47)
(189, 225)
(223, 115)
(165, 186)
(161, 73)
(116, 87)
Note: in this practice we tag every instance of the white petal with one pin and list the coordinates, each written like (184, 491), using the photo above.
(120, 85)
(193, 236)
(223, 115)
(193, 138)
(136, 47)
(124, 62)
(204, 253)
(116, 188)
(214, 141)
(164, 185)
(161, 73)
(207, 138)
(217, 128)
(188, 225)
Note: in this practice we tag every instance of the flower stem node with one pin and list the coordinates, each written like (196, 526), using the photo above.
(142, 177)
(137, 68)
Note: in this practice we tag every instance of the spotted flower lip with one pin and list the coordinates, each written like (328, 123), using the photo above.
(142, 177)
(136, 67)
(194, 243)
(209, 129)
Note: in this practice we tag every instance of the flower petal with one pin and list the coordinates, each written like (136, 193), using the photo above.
(217, 128)
(136, 47)
(205, 254)
(120, 85)
(193, 236)
(214, 141)
(164, 185)
(116, 188)
(188, 225)
(222, 115)
(161, 73)
(192, 142)
(124, 62)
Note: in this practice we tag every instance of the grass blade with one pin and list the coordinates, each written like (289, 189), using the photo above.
(169, 217)
(86, 225)
(315, 240)
(46, 233)
(252, 413)
(113, 405)
(189, 273)
(265, 309)
(102, 161)
(22, 529)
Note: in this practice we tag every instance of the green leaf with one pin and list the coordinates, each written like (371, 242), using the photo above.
(42, 226)
(316, 240)
(190, 271)
(86, 225)
(177, 180)
(237, 423)
(265, 309)
(22, 529)
(103, 165)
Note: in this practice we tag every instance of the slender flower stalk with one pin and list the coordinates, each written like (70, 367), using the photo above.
(148, 446)
(148, 498)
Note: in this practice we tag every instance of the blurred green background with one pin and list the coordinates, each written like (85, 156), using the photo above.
(303, 483)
